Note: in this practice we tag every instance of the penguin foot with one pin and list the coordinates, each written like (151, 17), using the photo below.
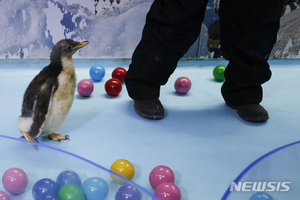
(58, 137)
(28, 137)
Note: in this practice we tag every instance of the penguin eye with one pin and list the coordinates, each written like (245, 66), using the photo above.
(69, 47)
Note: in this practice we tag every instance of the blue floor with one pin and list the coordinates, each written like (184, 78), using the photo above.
(205, 143)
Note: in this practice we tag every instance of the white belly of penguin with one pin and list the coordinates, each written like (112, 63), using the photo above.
(61, 103)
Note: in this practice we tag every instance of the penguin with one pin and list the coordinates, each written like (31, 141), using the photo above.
(49, 96)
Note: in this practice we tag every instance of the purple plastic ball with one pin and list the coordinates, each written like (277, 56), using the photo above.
(85, 87)
(128, 192)
(15, 180)
(4, 196)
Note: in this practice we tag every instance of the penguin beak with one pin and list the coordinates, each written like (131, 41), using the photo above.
(80, 45)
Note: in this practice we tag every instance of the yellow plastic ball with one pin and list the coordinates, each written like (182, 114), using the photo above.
(124, 168)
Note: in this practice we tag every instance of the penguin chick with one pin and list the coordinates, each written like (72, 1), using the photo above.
(49, 96)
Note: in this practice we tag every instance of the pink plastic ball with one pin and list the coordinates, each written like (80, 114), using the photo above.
(4, 196)
(161, 174)
(15, 180)
(167, 191)
(85, 87)
(183, 85)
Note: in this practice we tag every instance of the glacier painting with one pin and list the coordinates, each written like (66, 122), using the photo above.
(30, 28)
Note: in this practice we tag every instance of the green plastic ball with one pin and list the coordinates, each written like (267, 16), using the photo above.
(218, 72)
(71, 192)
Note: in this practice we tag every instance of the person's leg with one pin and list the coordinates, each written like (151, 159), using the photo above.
(248, 33)
(172, 26)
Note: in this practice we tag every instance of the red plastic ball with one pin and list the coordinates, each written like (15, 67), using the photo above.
(167, 191)
(182, 85)
(113, 87)
(161, 174)
(119, 73)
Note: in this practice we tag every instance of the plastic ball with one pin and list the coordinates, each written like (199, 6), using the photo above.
(183, 85)
(218, 72)
(161, 174)
(113, 87)
(124, 168)
(95, 188)
(97, 72)
(167, 191)
(119, 73)
(15, 180)
(48, 197)
(45, 189)
(261, 196)
(85, 87)
(71, 192)
(68, 177)
(128, 192)
(4, 196)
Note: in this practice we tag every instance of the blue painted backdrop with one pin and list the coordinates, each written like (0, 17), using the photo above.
(30, 28)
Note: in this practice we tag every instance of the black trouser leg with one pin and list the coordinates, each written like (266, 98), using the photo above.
(172, 26)
(248, 34)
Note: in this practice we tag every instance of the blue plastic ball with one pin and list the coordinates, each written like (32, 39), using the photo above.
(261, 196)
(95, 188)
(45, 188)
(48, 197)
(97, 72)
(128, 192)
(68, 177)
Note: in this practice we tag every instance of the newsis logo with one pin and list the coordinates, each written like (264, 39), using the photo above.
(260, 186)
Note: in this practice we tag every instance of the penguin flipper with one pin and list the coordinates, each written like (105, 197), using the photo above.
(36, 86)
(41, 109)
